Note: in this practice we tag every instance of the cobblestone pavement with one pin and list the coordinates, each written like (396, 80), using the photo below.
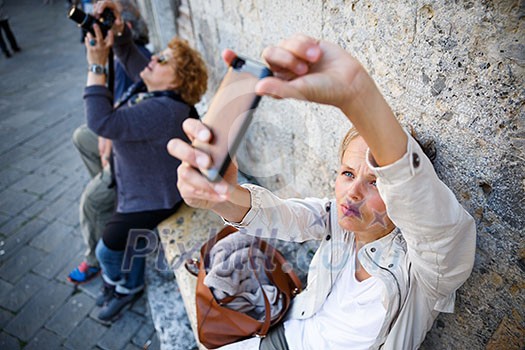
(41, 178)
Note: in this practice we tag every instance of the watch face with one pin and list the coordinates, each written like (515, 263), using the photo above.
(97, 69)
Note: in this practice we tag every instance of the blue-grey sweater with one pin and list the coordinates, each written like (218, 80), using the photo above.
(146, 175)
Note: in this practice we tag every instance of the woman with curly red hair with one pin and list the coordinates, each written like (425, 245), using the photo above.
(139, 126)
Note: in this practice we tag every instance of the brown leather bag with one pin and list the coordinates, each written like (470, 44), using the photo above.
(218, 325)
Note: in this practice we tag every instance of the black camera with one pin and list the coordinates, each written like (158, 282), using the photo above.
(86, 21)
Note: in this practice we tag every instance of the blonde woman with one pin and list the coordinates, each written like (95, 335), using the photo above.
(395, 242)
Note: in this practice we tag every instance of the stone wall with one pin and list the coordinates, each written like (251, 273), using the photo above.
(452, 69)
(161, 18)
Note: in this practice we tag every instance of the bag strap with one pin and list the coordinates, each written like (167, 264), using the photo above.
(267, 312)
(192, 266)
(269, 250)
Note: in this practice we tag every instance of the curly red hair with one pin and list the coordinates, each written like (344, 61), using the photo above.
(191, 74)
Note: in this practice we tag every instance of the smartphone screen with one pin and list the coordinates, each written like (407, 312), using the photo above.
(230, 113)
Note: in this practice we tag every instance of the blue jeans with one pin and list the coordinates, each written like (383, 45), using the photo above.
(111, 261)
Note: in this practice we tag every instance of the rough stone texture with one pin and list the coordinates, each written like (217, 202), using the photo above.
(160, 16)
(35, 313)
(167, 310)
(8, 342)
(18, 265)
(509, 333)
(85, 335)
(70, 314)
(44, 339)
(181, 236)
(452, 69)
(20, 293)
(5, 316)
(121, 332)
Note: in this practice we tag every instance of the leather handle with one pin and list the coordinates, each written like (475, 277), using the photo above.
(271, 251)
(268, 316)
(192, 266)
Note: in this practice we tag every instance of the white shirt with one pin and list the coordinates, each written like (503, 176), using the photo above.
(350, 318)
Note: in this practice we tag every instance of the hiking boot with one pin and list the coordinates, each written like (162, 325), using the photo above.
(116, 305)
(106, 294)
(83, 273)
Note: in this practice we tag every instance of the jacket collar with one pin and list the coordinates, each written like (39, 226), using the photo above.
(386, 253)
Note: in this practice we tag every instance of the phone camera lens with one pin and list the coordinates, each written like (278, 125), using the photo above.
(238, 63)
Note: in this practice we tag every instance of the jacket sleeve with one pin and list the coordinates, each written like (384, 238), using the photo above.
(440, 234)
(129, 55)
(296, 220)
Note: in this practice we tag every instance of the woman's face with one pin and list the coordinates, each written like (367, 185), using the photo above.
(360, 209)
(159, 74)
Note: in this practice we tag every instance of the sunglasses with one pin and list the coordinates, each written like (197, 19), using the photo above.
(161, 58)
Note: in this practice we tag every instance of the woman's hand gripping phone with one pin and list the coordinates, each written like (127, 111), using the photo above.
(207, 175)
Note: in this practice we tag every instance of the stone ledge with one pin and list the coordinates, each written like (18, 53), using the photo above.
(168, 312)
(181, 236)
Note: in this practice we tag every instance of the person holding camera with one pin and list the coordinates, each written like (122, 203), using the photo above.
(395, 242)
(99, 196)
(139, 127)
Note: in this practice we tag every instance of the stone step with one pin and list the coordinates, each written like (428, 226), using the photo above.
(167, 309)
(181, 236)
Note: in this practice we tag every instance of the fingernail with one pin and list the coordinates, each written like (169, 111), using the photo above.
(202, 161)
(204, 135)
(301, 68)
(221, 189)
(312, 53)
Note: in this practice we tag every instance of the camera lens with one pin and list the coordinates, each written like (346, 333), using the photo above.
(77, 15)
(238, 63)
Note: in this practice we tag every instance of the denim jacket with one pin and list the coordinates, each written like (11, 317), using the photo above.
(422, 262)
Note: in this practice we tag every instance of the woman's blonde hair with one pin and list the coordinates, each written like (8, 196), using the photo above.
(350, 135)
(191, 74)
(428, 147)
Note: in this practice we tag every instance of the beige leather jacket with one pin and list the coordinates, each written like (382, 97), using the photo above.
(422, 262)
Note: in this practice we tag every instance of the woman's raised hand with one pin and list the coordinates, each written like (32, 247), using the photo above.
(323, 72)
(97, 47)
(195, 188)
(100, 6)
(308, 69)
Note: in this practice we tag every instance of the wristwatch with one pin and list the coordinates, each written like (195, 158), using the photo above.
(97, 69)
